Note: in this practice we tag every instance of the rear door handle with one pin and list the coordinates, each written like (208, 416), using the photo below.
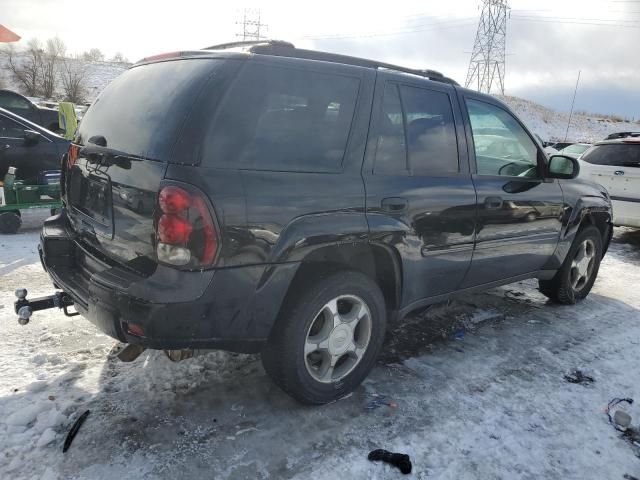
(394, 204)
(493, 203)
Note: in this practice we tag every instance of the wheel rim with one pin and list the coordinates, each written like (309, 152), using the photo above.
(337, 339)
(582, 265)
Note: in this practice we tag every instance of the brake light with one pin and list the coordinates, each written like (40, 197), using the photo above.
(186, 233)
(73, 155)
(161, 56)
(174, 230)
(174, 199)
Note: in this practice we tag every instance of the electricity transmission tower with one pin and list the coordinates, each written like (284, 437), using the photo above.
(252, 26)
(487, 65)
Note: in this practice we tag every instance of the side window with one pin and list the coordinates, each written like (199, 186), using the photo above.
(10, 129)
(416, 133)
(391, 149)
(502, 146)
(431, 132)
(283, 119)
(9, 100)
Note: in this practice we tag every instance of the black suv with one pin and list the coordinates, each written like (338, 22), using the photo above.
(300, 200)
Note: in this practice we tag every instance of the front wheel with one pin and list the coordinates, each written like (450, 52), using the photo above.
(578, 273)
(327, 338)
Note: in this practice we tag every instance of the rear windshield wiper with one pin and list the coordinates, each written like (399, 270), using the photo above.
(96, 151)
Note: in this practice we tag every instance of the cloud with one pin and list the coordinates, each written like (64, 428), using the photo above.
(545, 52)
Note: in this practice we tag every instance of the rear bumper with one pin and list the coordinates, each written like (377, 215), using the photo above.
(626, 213)
(229, 309)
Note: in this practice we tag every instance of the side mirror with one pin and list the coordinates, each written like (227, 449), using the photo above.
(31, 137)
(561, 166)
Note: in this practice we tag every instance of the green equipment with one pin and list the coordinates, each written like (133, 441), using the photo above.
(15, 195)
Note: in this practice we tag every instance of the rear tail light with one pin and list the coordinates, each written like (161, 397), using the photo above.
(186, 233)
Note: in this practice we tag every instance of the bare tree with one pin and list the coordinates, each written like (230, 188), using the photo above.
(52, 56)
(26, 67)
(74, 76)
(119, 58)
(93, 55)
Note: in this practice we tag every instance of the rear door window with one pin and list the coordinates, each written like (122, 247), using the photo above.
(431, 133)
(415, 133)
(281, 118)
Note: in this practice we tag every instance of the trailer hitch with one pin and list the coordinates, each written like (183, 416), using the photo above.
(25, 308)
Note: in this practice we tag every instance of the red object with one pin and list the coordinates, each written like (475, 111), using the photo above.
(174, 230)
(73, 155)
(174, 200)
(210, 236)
(162, 56)
(7, 35)
(186, 220)
(631, 140)
(136, 330)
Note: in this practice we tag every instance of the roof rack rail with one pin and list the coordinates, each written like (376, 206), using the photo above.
(249, 43)
(286, 49)
(616, 135)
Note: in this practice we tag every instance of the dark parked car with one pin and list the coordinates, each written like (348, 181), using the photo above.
(22, 106)
(28, 147)
(304, 200)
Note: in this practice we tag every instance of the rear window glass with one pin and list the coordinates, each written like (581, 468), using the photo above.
(619, 155)
(278, 118)
(142, 110)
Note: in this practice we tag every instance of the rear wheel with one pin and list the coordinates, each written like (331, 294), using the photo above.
(10, 222)
(578, 273)
(327, 339)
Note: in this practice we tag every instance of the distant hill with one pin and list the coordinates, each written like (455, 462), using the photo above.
(552, 125)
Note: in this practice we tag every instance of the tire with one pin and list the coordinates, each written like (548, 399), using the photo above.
(10, 222)
(309, 320)
(568, 286)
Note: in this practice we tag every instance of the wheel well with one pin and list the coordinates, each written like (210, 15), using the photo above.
(600, 220)
(377, 262)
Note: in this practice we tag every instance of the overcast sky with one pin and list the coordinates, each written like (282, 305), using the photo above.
(548, 41)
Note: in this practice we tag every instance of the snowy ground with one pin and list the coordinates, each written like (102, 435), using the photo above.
(479, 390)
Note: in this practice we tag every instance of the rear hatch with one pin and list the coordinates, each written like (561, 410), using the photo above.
(121, 152)
(616, 166)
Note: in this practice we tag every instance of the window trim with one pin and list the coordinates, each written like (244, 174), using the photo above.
(473, 163)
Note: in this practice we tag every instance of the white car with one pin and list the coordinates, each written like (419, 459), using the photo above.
(615, 164)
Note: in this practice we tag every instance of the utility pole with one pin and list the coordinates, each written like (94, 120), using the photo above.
(572, 103)
(487, 64)
(252, 26)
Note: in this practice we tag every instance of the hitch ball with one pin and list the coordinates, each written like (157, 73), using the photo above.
(21, 293)
(24, 314)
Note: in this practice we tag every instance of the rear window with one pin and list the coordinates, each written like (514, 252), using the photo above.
(280, 118)
(618, 155)
(142, 110)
